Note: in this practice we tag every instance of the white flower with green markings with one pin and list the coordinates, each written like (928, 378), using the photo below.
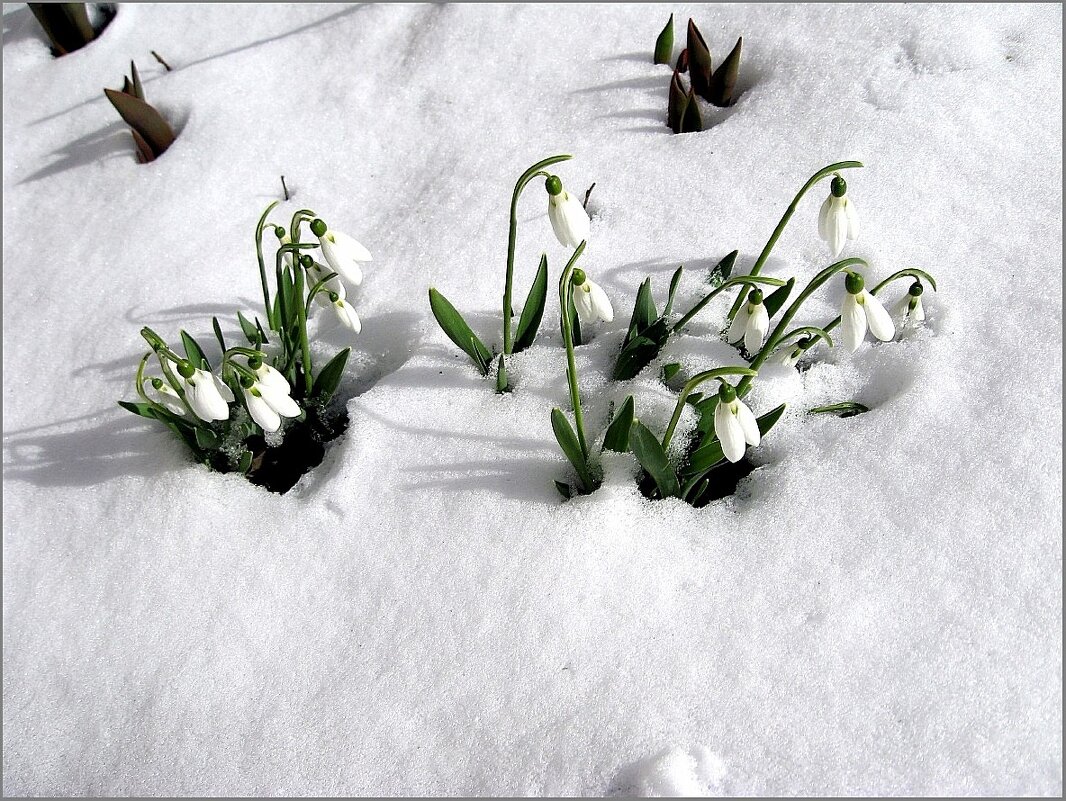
(206, 393)
(860, 311)
(837, 220)
(569, 220)
(268, 402)
(751, 323)
(909, 307)
(590, 301)
(734, 424)
(342, 253)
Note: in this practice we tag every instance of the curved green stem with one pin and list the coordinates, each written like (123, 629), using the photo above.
(294, 224)
(822, 173)
(305, 346)
(318, 287)
(777, 335)
(565, 290)
(748, 280)
(512, 236)
(910, 272)
(158, 345)
(694, 382)
(816, 333)
(262, 265)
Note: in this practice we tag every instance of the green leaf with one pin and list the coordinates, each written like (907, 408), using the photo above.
(194, 352)
(670, 370)
(675, 281)
(206, 439)
(649, 452)
(143, 119)
(329, 377)
(775, 300)
(245, 462)
(722, 270)
(644, 313)
(218, 334)
(501, 377)
(263, 338)
(724, 80)
(533, 310)
(639, 352)
(664, 45)
(699, 61)
(617, 436)
(250, 331)
(843, 409)
(567, 439)
(575, 325)
(691, 120)
(143, 409)
(453, 324)
(710, 454)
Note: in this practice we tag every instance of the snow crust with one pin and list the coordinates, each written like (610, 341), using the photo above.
(876, 611)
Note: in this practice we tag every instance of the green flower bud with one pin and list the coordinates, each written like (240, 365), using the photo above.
(916, 289)
(255, 362)
(838, 187)
(726, 393)
(854, 283)
(804, 343)
(306, 261)
(246, 382)
(279, 232)
(755, 297)
(186, 370)
(554, 185)
(318, 228)
(334, 297)
(577, 277)
(157, 384)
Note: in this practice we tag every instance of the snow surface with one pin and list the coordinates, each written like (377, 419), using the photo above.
(878, 609)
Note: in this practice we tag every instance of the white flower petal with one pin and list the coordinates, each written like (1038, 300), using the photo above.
(261, 412)
(204, 398)
(346, 314)
(278, 399)
(730, 435)
(755, 331)
(881, 325)
(271, 377)
(739, 324)
(569, 220)
(167, 397)
(902, 307)
(919, 310)
(601, 304)
(748, 424)
(837, 228)
(583, 303)
(823, 218)
(343, 255)
(852, 323)
(852, 217)
(223, 389)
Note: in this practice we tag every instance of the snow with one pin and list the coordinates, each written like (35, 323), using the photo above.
(876, 611)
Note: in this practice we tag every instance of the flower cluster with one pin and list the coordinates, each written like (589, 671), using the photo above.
(225, 414)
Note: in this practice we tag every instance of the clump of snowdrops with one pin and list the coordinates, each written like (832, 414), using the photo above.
(760, 325)
(262, 408)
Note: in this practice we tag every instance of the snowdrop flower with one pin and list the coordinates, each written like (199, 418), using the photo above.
(163, 394)
(568, 217)
(268, 375)
(734, 424)
(206, 393)
(590, 301)
(910, 305)
(788, 357)
(317, 272)
(859, 310)
(837, 220)
(752, 322)
(283, 239)
(342, 253)
(345, 313)
(267, 403)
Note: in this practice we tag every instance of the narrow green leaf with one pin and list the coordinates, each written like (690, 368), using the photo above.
(501, 377)
(194, 352)
(250, 332)
(722, 270)
(564, 490)
(776, 299)
(567, 439)
(649, 452)
(144, 119)
(843, 409)
(245, 462)
(724, 80)
(289, 296)
(533, 310)
(206, 439)
(644, 313)
(617, 436)
(329, 377)
(575, 325)
(263, 338)
(140, 408)
(670, 370)
(218, 334)
(692, 120)
(699, 61)
(639, 352)
(453, 324)
(675, 281)
(710, 454)
(664, 45)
